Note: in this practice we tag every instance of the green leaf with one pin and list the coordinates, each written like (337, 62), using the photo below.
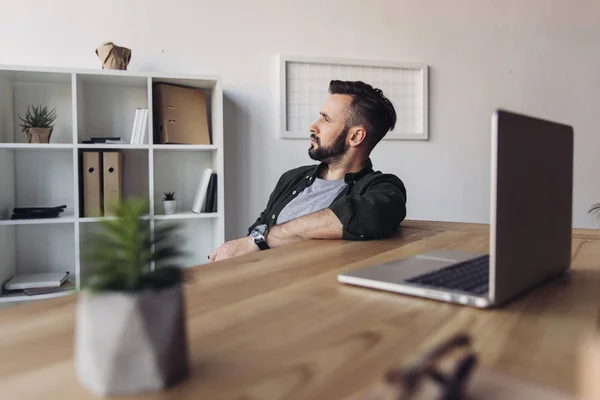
(121, 254)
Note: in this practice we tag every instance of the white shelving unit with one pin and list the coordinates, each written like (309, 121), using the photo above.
(92, 103)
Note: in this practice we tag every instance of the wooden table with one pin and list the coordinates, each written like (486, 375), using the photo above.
(278, 325)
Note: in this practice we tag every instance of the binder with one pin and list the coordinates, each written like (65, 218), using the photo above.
(92, 191)
(112, 171)
(180, 115)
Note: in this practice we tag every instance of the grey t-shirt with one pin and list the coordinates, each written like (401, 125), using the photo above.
(314, 198)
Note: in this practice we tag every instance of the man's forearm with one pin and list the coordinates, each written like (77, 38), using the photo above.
(323, 224)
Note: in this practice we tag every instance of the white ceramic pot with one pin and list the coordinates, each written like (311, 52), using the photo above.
(128, 343)
(170, 206)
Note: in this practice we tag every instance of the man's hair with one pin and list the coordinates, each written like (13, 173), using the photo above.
(369, 108)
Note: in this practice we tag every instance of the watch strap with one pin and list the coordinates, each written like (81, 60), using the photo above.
(262, 244)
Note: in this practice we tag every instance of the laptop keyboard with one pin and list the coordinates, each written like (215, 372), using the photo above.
(468, 276)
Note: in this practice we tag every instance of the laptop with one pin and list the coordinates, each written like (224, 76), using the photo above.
(530, 224)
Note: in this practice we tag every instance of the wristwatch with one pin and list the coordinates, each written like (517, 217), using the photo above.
(258, 236)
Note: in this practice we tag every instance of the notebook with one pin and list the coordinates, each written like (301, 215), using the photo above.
(36, 280)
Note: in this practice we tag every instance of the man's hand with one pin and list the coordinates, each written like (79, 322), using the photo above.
(233, 248)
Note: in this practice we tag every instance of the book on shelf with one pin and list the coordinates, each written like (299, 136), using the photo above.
(36, 280)
(37, 212)
(140, 126)
(202, 196)
(210, 202)
(68, 285)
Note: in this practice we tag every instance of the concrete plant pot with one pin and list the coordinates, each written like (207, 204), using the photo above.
(128, 343)
(39, 135)
(170, 206)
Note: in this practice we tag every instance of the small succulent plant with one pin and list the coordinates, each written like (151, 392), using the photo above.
(38, 117)
(169, 196)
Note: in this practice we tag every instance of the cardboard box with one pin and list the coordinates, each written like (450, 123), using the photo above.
(180, 115)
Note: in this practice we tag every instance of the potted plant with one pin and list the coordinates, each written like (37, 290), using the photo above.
(169, 202)
(38, 124)
(130, 328)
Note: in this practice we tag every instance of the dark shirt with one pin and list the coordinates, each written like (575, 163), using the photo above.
(371, 207)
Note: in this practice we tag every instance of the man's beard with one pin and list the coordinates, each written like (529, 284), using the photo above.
(332, 153)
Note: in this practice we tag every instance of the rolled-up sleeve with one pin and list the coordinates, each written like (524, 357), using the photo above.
(376, 213)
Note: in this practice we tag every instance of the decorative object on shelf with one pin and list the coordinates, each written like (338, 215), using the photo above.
(170, 203)
(113, 56)
(130, 327)
(38, 123)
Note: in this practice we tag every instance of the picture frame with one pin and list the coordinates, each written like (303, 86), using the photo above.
(304, 83)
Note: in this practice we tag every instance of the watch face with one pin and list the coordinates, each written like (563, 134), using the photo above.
(262, 229)
(255, 235)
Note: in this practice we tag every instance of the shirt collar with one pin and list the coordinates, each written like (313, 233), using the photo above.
(350, 177)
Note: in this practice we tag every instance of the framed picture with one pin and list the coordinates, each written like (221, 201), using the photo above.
(304, 83)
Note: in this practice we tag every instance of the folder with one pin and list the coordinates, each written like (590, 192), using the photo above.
(92, 190)
(112, 171)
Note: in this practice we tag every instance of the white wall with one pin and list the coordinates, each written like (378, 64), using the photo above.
(535, 56)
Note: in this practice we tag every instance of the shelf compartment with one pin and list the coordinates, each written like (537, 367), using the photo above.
(86, 233)
(106, 105)
(179, 172)
(19, 90)
(135, 177)
(34, 178)
(199, 239)
(35, 248)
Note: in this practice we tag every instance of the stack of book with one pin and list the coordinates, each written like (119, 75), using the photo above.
(39, 283)
(104, 140)
(140, 126)
(37, 212)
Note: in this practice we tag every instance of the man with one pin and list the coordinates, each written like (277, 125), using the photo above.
(342, 197)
